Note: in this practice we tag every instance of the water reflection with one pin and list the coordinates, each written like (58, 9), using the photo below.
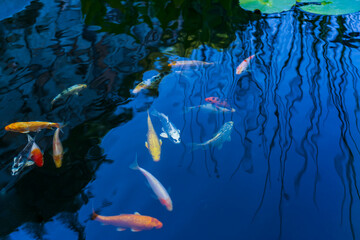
(294, 151)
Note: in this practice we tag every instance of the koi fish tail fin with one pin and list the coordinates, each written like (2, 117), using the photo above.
(62, 125)
(30, 139)
(134, 165)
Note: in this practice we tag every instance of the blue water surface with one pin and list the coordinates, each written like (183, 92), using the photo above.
(290, 170)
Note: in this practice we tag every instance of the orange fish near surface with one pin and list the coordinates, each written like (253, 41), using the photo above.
(35, 126)
(135, 222)
(36, 155)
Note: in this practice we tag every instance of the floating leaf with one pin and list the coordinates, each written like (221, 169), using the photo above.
(330, 7)
(267, 6)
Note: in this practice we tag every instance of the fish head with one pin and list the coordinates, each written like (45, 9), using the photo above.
(156, 223)
(229, 124)
(156, 157)
(167, 203)
(176, 137)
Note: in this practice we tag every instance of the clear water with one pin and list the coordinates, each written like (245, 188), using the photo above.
(289, 172)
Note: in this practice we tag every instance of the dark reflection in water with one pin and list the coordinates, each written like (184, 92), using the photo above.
(289, 172)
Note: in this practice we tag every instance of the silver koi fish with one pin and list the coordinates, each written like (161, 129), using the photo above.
(155, 185)
(69, 91)
(169, 129)
(218, 140)
(213, 108)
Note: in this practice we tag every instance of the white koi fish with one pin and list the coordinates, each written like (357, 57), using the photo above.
(155, 185)
(169, 129)
(218, 140)
(212, 108)
(244, 65)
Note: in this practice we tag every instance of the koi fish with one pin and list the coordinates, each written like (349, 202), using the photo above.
(135, 222)
(153, 143)
(69, 91)
(150, 83)
(22, 160)
(221, 136)
(169, 129)
(57, 149)
(213, 108)
(35, 126)
(244, 65)
(188, 63)
(36, 155)
(155, 185)
(217, 101)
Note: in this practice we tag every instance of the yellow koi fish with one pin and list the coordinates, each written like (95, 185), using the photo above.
(153, 143)
(57, 149)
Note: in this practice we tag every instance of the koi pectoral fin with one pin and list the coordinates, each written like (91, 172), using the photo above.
(147, 145)
(135, 230)
(164, 135)
(120, 229)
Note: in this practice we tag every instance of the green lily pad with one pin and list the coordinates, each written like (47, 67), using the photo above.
(267, 6)
(331, 7)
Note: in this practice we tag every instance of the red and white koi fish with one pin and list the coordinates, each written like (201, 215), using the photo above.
(217, 101)
(135, 222)
(244, 65)
(155, 185)
(36, 155)
(57, 149)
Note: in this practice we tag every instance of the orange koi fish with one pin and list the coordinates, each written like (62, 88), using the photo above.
(135, 222)
(155, 185)
(244, 65)
(216, 101)
(57, 149)
(189, 63)
(35, 126)
(36, 155)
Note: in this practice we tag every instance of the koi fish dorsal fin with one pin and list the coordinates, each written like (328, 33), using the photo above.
(137, 213)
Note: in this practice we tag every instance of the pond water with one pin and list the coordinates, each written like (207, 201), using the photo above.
(289, 170)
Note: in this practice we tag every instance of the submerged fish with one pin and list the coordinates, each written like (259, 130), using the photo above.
(23, 159)
(212, 108)
(150, 83)
(156, 186)
(153, 143)
(189, 63)
(221, 136)
(69, 91)
(217, 101)
(169, 129)
(244, 65)
(35, 126)
(57, 149)
(135, 222)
